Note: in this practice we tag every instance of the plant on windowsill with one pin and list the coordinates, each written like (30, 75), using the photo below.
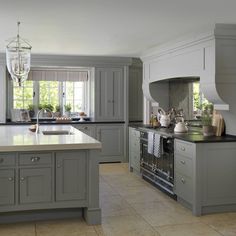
(45, 106)
(67, 109)
(207, 127)
(31, 110)
(57, 112)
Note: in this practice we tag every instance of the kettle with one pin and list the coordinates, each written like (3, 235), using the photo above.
(164, 118)
(180, 127)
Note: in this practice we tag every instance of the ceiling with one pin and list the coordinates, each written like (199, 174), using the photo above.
(108, 27)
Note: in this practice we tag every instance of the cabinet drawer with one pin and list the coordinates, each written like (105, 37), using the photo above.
(183, 187)
(7, 160)
(183, 148)
(183, 165)
(35, 158)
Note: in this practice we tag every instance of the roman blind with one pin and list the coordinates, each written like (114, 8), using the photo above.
(58, 75)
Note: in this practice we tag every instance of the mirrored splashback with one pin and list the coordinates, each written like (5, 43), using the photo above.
(183, 94)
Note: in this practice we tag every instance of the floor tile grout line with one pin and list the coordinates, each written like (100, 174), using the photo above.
(213, 228)
(35, 228)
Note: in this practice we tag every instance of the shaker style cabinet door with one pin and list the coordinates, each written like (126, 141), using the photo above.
(109, 94)
(90, 130)
(135, 94)
(35, 185)
(71, 176)
(7, 186)
(112, 139)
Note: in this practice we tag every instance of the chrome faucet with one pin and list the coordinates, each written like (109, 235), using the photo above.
(44, 109)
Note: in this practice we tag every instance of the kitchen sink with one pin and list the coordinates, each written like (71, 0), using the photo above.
(57, 132)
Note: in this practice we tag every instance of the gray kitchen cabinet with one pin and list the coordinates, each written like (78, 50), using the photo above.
(71, 172)
(35, 185)
(90, 130)
(112, 139)
(134, 149)
(109, 94)
(184, 154)
(7, 187)
(205, 176)
(135, 94)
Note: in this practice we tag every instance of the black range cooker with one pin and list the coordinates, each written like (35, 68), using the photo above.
(158, 169)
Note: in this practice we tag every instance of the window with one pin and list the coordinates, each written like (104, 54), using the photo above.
(59, 89)
(75, 94)
(49, 92)
(22, 96)
(199, 101)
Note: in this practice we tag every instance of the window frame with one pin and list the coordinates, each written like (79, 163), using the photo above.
(36, 95)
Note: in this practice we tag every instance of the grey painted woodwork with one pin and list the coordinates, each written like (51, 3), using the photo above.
(35, 185)
(7, 187)
(71, 171)
(135, 94)
(205, 175)
(210, 56)
(112, 139)
(109, 94)
(50, 180)
(90, 130)
(134, 149)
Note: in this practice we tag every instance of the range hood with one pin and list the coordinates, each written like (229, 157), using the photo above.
(211, 57)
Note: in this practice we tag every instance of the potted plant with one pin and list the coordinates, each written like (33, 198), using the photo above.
(57, 112)
(48, 107)
(207, 127)
(31, 110)
(67, 109)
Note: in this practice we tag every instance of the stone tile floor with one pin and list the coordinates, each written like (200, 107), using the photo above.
(130, 207)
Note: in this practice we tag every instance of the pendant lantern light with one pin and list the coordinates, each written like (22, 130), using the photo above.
(18, 58)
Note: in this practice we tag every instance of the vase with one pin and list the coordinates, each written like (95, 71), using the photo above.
(208, 130)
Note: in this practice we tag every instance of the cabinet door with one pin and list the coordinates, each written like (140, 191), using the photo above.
(87, 129)
(7, 186)
(35, 185)
(112, 139)
(71, 176)
(109, 97)
(135, 94)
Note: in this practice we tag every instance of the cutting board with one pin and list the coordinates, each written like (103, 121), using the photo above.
(218, 123)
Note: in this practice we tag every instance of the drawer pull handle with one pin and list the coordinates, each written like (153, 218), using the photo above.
(182, 148)
(35, 159)
(1, 160)
(22, 178)
(183, 162)
(183, 180)
(10, 178)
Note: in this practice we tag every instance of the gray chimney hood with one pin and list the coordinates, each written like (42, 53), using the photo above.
(210, 56)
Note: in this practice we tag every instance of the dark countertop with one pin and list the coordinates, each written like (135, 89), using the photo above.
(193, 136)
(53, 122)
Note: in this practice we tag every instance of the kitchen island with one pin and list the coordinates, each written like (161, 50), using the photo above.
(54, 173)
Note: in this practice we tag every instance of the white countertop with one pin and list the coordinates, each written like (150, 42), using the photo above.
(20, 138)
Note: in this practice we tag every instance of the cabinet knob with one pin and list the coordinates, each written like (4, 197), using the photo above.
(1, 160)
(59, 166)
(183, 180)
(85, 127)
(35, 159)
(10, 178)
(182, 161)
(182, 148)
(22, 178)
